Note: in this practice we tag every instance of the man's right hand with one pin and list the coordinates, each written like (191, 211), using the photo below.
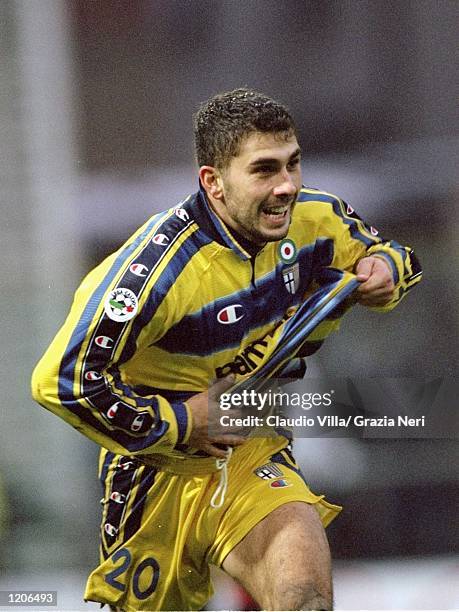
(206, 412)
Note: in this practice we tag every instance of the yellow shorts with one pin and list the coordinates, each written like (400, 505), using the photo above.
(160, 533)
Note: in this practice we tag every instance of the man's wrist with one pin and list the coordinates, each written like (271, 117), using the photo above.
(389, 261)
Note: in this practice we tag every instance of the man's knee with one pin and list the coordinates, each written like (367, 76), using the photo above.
(301, 596)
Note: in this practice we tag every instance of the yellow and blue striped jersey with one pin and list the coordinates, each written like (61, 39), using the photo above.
(184, 301)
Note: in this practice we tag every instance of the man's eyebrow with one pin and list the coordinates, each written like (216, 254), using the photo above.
(272, 160)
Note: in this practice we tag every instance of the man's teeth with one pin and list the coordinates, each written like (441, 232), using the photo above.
(276, 211)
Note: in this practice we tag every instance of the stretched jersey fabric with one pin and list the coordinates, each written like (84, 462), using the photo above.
(184, 301)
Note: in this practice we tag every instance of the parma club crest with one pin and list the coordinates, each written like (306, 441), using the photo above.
(268, 471)
(291, 276)
(121, 305)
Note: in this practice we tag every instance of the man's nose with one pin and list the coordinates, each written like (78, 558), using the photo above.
(286, 185)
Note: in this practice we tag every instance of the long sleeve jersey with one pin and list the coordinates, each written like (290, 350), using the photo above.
(184, 302)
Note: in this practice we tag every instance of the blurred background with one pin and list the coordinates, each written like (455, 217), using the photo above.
(96, 98)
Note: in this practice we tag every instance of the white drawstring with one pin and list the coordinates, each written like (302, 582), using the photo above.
(222, 466)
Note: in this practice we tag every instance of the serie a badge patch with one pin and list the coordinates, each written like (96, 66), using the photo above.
(121, 305)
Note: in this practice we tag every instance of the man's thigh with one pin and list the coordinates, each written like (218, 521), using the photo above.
(284, 561)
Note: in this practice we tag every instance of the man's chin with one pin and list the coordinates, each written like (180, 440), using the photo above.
(274, 230)
(272, 235)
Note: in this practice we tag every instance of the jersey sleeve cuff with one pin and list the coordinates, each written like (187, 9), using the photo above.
(182, 414)
(391, 262)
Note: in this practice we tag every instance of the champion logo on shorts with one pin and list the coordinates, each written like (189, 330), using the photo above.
(269, 471)
(124, 465)
(119, 498)
(278, 484)
(110, 529)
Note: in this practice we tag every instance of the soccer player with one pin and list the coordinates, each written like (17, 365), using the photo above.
(193, 297)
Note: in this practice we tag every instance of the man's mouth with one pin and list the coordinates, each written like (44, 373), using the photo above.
(276, 212)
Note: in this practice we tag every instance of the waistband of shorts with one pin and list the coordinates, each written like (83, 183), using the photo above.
(200, 466)
(197, 466)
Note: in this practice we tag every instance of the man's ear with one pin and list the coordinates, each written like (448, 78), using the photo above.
(212, 182)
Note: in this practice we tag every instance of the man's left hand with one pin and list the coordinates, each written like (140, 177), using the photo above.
(377, 283)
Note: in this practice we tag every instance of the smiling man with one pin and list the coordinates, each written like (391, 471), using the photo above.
(199, 293)
(255, 194)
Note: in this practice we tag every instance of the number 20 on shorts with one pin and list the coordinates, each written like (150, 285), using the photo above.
(115, 577)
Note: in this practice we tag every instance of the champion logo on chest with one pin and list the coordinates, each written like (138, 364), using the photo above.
(230, 314)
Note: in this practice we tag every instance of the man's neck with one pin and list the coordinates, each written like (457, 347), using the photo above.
(248, 245)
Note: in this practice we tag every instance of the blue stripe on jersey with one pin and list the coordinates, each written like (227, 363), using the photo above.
(151, 255)
(353, 226)
(402, 252)
(315, 197)
(127, 391)
(216, 337)
(209, 336)
(351, 222)
(178, 261)
(135, 515)
(415, 265)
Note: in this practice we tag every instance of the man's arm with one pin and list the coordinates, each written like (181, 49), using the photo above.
(387, 270)
(121, 308)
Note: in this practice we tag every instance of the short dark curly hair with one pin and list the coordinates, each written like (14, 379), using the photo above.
(221, 123)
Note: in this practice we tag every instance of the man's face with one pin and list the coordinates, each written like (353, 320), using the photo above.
(260, 186)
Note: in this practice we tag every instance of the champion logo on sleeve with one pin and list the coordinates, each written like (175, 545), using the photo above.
(160, 239)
